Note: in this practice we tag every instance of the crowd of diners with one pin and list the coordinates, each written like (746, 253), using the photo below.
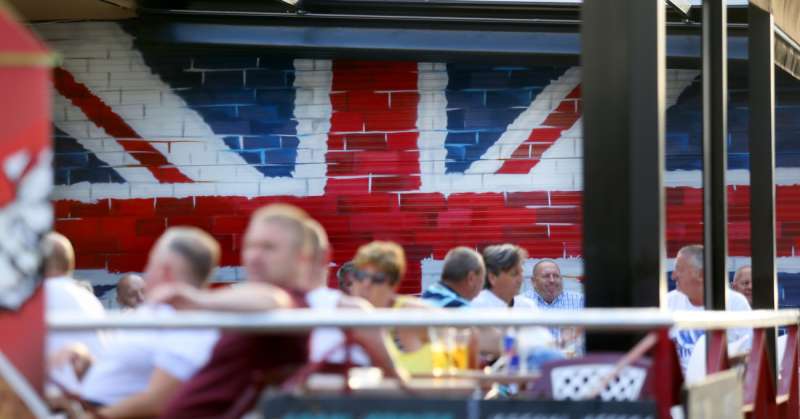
(285, 254)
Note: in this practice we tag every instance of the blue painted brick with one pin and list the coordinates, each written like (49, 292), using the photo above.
(738, 161)
(232, 96)
(508, 98)
(534, 77)
(262, 141)
(456, 153)
(219, 113)
(287, 127)
(280, 156)
(276, 63)
(462, 99)
(61, 176)
(289, 142)
(262, 113)
(465, 138)
(737, 142)
(787, 160)
(489, 118)
(677, 143)
(230, 127)
(178, 78)
(455, 119)
(684, 162)
(252, 157)
(275, 96)
(215, 61)
(268, 78)
(233, 143)
(72, 160)
(90, 175)
(229, 79)
(277, 170)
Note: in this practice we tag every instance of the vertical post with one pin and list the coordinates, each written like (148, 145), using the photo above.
(623, 67)
(761, 67)
(715, 154)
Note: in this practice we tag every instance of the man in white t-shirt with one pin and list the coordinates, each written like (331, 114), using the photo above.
(688, 296)
(138, 371)
(63, 295)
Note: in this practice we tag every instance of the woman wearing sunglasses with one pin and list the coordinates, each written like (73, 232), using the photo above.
(379, 268)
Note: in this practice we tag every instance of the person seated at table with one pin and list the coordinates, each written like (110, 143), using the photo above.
(379, 268)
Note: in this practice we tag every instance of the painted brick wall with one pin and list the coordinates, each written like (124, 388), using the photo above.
(431, 155)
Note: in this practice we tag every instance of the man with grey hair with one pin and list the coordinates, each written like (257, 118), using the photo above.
(689, 296)
(503, 278)
(462, 279)
(743, 282)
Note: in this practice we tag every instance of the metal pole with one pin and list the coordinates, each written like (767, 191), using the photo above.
(624, 67)
(761, 50)
(715, 155)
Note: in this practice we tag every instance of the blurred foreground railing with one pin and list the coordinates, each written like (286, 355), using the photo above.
(763, 395)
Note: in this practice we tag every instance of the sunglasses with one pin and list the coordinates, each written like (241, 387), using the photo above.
(376, 278)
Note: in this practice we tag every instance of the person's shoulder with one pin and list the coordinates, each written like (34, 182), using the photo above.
(677, 300)
(525, 302)
(737, 301)
(409, 301)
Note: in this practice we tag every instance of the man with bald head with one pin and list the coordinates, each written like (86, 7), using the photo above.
(548, 288)
(130, 291)
(63, 295)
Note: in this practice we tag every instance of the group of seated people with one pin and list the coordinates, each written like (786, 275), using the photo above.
(285, 255)
(175, 373)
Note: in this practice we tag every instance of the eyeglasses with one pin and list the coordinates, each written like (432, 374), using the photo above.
(376, 278)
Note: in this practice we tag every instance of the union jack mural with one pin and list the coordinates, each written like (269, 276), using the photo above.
(431, 155)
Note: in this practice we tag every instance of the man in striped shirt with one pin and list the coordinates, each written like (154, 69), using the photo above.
(462, 279)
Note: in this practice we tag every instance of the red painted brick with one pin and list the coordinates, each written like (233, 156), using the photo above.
(395, 183)
(205, 205)
(100, 208)
(347, 122)
(548, 135)
(78, 227)
(339, 101)
(136, 207)
(428, 202)
(561, 119)
(469, 200)
(127, 262)
(174, 206)
(61, 209)
(401, 141)
(566, 232)
(335, 142)
(566, 198)
(150, 226)
(517, 166)
(341, 163)
(521, 199)
(360, 204)
(363, 100)
(561, 215)
(395, 121)
(336, 186)
(366, 142)
(86, 260)
(229, 225)
(404, 100)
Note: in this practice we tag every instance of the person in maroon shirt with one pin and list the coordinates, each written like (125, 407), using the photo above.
(277, 253)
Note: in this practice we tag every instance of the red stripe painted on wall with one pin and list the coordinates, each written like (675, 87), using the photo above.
(104, 117)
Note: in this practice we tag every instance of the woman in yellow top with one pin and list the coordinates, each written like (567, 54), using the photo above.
(380, 266)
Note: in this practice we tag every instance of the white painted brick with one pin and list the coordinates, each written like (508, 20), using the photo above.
(187, 147)
(76, 114)
(229, 157)
(313, 111)
(76, 65)
(203, 157)
(467, 183)
(246, 173)
(183, 190)
(321, 96)
(192, 172)
(125, 53)
(78, 191)
(283, 186)
(313, 78)
(159, 129)
(59, 112)
(569, 166)
(110, 190)
(425, 66)
(131, 84)
(146, 97)
(303, 65)
(130, 111)
(132, 75)
(316, 187)
(484, 166)
(111, 97)
(168, 98)
(218, 173)
(313, 170)
(323, 65)
(96, 132)
(192, 129)
(152, 190)
(113, 158)
(249, 189)
(135, 174)
(303, 97)
(83, 52)
(108, 66)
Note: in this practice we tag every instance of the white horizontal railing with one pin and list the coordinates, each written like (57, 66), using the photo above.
(628, 319)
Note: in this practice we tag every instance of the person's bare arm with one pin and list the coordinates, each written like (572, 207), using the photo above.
(148, 403)
(371, 340)
(244, 297)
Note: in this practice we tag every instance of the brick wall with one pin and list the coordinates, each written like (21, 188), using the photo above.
(431, 155)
